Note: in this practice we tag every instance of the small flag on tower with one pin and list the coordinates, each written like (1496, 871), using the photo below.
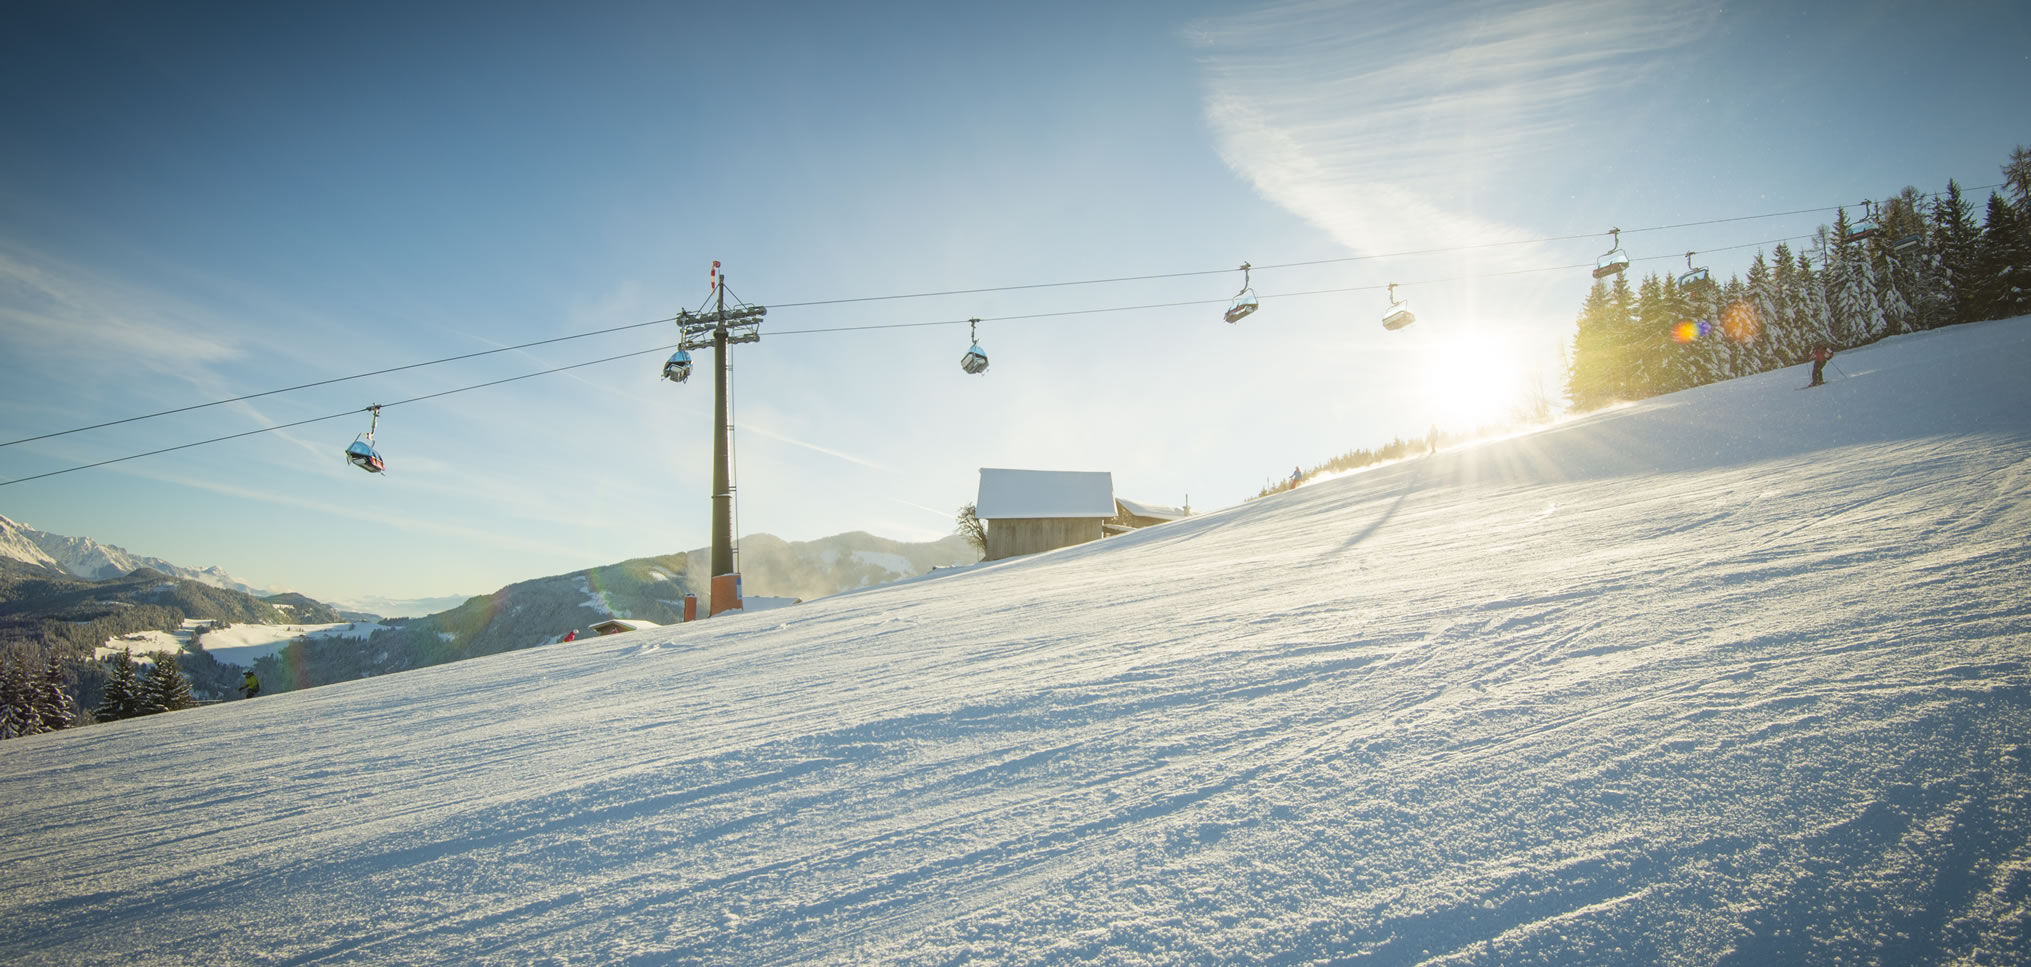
(715, 275)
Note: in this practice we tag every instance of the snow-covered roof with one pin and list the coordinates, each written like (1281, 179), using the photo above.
(617, 625)
(1158, 511)
(1031, 494)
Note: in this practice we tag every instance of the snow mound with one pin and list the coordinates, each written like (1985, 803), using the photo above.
(1736, 676)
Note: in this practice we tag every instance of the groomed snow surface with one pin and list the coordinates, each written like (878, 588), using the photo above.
(1735, 676)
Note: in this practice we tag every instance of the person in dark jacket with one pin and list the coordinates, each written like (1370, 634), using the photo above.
(249, 685)
(1820, 354)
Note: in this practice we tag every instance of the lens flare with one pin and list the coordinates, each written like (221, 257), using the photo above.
(1741, 322)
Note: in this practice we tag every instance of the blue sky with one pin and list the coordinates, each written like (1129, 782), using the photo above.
(200, 202)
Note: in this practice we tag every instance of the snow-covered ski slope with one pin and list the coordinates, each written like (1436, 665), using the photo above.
(1736, 676)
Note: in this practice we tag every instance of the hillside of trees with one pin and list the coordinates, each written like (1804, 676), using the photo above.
(50, 625)
(1927, 263)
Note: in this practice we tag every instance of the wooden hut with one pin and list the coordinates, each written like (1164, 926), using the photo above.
(1135, 515)
(1030, 511)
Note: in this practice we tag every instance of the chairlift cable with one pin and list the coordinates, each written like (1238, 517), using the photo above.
(939, 293)
(1280, 295)
(787, 332)
(333, 416)
(336, 379)
(921, 295)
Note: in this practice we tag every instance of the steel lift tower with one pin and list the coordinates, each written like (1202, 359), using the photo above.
(720, 328)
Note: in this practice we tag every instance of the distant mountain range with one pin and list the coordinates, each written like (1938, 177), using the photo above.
(48, 609)
(82, 557)
(543, 610)
(73, 593)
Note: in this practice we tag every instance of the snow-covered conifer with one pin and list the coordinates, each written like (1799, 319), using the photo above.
(1661, 365)
(1866, 319)
(2002, 284)
(53, 697)
(1956, 242)
(1814, 313)
(16, 712)
(1786, 329)
(1592, 379)
(2017, 178)
(1898, 315)
(167, 690)
(123, 697)
(1850, 288)
(1740, 333)
(1766, 307)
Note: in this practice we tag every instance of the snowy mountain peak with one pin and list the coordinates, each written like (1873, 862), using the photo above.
(86, 558)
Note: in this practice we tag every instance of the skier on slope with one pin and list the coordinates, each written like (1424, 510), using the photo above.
(1821, 352)
(250, 685)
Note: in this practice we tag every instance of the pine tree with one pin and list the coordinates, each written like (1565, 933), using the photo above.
(54, 703)
(1865, 298)
(1593, 378)
(1660, 364)
(1814, 313)
(1699, 359)
(1852, 304)
(1764, 322)
(1898, 314)
(123, 697)
(1629, 381)
(1710, 301)
(1956, 242)
(2017, 179)
(17, 716)
(166, 689)
(1739, 330)
(2002, 284)
(1786, 329)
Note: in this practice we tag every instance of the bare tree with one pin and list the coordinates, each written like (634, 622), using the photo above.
(973, 529)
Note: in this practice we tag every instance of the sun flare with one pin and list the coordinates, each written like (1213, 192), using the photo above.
(1473, 380)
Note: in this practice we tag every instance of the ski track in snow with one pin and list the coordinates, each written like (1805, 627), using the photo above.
(1735, 676)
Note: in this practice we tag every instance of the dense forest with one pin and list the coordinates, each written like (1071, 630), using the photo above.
(1913, 262)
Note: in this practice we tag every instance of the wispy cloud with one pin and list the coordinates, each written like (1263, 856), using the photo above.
(52, 309)
(933, 511)
(1380, 122)
(760, 430)
(489, 536)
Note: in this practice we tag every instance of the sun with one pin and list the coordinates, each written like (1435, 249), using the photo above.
(1473, 380)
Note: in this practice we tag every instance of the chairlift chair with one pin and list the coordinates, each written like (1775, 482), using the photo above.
(1864, 227)
(1908, 242)
(1614, 260)
(1399, 314)
(1694, 275)
(1244, 301)
(678, 369)
(975, 360)
(361, 452)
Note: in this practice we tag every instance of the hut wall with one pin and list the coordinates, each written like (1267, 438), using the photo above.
(1014, 538)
